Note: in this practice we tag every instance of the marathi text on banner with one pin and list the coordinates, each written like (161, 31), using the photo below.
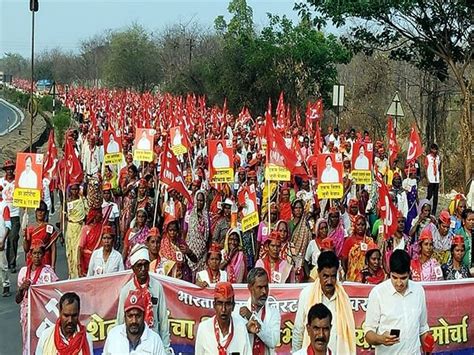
(143, 155)
(362, 177)
(330, 191)
(250, 221)
(179, 149)
(189, 305)
(223, 175)
(277, 173)
(115, 158)
(29, 198)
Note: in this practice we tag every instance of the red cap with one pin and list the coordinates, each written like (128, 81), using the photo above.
(134, 300)
(8, 164)
(215, 248)
(224, 290)
(106, 186)
(327, 244)
(445, 217)
(425, 235)
(108, 230)
(154, 232)
(36, 243)
(457, 240)
(274, 236)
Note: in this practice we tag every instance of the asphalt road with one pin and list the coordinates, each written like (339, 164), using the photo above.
(10, 329)
(9, 117)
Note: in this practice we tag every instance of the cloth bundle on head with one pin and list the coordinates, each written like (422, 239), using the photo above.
(223, 290)
(139, 252)
(107, 230)
(134, 300)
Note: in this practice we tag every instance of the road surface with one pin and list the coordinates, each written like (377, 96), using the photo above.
(10, 117)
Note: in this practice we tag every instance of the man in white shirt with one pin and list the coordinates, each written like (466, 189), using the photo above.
(433, 172)
(396, 321)
(223, 333)
(106, 259)
(73, 337)
(114, 212)
(5, 227)
(134, 336)
(257, 309)
(319, 331)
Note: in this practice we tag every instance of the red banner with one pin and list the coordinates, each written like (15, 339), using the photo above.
(450, 310)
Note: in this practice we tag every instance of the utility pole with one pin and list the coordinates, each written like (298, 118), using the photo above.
(34, 6)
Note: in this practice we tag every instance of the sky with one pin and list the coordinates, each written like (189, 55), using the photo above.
(63, 24)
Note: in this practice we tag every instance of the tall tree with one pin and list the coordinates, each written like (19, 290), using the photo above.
(435, 35)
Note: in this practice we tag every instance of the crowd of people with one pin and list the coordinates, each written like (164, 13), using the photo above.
(121, 216)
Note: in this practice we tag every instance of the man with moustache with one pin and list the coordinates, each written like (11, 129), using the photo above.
(257, 309)
(134, 336)
(68, 336)
(327, 290)
(224, 334)
(319, 331)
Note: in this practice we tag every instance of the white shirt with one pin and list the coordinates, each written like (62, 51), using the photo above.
(432, 174)
(98, 266)
(28, 180)
(204, 276)
(387, 309)
(206, 342)
(117, 342)
(302, 317)
(361, 163)
(50, 333)
(114, 213)
(330, 175)
(312, 253)
(269, 328)
(7, 194)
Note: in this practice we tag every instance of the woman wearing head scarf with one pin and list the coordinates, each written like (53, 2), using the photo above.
(264, 229)
(300, 231)
(349, 216)
(129, 197)
(35, 273)
(135, 235)
(399, 240)
(144, 201)
(314, 247)
(426, 268)
(197, 226)
(467, 232)
(456, 208)
(336, 232)
(420, 222)
(442, 237)
(373, 272)
(175, 253)
(454, 268)
(234, 260)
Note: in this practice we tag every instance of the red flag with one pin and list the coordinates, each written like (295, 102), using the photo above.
(388, 210)
(277, 152)
(415, 149)
(71, 163)
(393, 148)
(51, 158)
(171, 174)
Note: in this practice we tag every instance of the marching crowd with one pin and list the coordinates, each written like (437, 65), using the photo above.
(122, 216)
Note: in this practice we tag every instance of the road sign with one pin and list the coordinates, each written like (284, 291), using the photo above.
(32, 107)
(395, 108)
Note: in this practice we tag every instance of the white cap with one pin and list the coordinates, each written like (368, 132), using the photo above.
(139, 252)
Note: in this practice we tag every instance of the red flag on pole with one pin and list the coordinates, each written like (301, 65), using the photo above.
(171, 174)
(51, 158)
(393, 148)
(72, 164)
(415, 149)
(388, 209)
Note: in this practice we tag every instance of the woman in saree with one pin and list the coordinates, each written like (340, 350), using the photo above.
(129, 197)
(442, 237)
(454, 268)
(314, 246)
(373, 272)
(399, 240)
(221, 225)
(145, 202)
(175, 253)
(35, 273)
(197, 236)
(77, 209)
(234, 260)
(44, 232)
(264, 229)
(135, 235)
(336, 230)
(419, 223)
(300, 232)
(90, 239)
(426, 268)
(354, 249)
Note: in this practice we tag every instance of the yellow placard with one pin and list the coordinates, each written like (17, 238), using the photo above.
(330, 190)
(114, 158)
(362, 177)
(223, 175)
(250, 221)
(277, 173)
(143, 155)
(29, 198)
(179, 149)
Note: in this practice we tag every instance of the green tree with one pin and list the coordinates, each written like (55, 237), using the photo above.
(435, 35)
(14, 64)
(133, 60)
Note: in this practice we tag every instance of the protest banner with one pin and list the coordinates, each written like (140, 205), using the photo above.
(362, 157)
(113, 147)
(330, 175)
(143, 144)
(221, 161)
(188, 305)
(28, 180)
(247, 198)
(177, 141)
